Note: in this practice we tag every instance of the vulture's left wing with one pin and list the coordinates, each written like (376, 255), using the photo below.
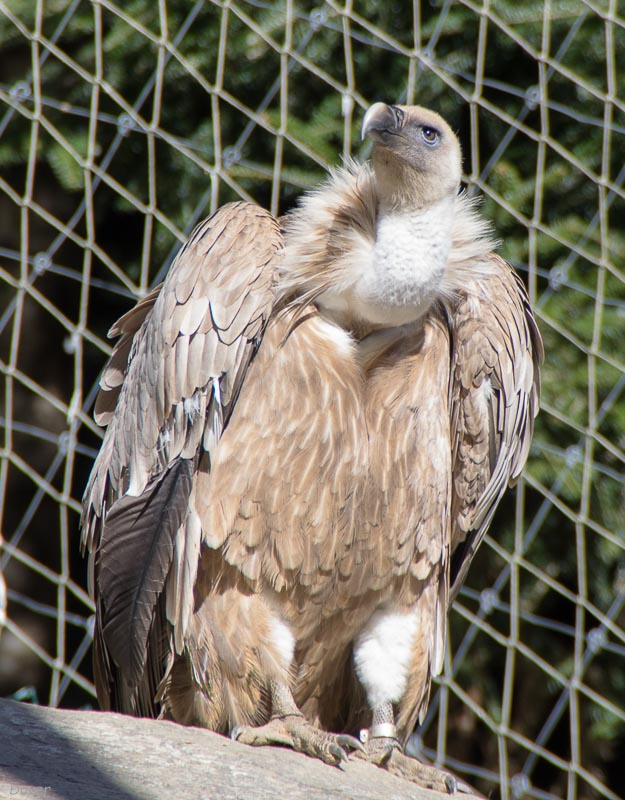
(494, 397)
(166, 395)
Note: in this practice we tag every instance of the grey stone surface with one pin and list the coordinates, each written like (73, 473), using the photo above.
(89, 755)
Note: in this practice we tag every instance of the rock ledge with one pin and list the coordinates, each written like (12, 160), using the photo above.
(88, 755)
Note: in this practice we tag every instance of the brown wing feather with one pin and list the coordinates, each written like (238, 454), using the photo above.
(115, 370)
(494, 398)
(167, 394)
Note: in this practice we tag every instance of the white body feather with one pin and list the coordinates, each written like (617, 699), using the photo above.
(382, 654)
(391, 267)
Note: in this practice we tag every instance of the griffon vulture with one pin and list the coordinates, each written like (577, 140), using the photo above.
(310, 424)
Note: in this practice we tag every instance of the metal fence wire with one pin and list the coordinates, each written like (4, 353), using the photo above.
(122, 125)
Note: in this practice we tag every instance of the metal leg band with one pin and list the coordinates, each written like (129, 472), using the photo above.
(383, 730)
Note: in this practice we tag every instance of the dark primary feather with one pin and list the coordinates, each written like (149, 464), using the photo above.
(133, 561)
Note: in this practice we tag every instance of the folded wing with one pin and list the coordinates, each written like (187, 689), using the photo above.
(167, 394)
(494, 398)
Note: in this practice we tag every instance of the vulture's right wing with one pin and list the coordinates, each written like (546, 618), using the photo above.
(167, 395)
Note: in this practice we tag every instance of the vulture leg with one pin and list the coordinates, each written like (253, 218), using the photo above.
(381, 737)
(382, 748)
(288, 727)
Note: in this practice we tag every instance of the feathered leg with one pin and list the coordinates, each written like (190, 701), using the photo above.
(383, 748)
(392, 660)
(288, 727)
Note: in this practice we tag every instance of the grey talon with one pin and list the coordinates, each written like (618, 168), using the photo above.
(235, 732)
(464, 788)
(349, 741)
(451, 784)
(338, 752)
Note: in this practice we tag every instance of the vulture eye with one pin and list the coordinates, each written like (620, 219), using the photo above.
(430, 135)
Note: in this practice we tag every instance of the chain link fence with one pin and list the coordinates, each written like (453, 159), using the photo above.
(122, 125)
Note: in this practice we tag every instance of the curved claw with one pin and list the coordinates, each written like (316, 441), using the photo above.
(339, 754)
(465, 788)
(349, 741)
(451, 784)
(235, 732)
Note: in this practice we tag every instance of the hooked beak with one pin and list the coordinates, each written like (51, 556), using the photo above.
(382, 118)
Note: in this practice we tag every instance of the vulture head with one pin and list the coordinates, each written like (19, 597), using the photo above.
(416, 156)
(373, 246)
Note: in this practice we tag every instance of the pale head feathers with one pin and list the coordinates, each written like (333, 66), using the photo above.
(378, 243)
(416, 156)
